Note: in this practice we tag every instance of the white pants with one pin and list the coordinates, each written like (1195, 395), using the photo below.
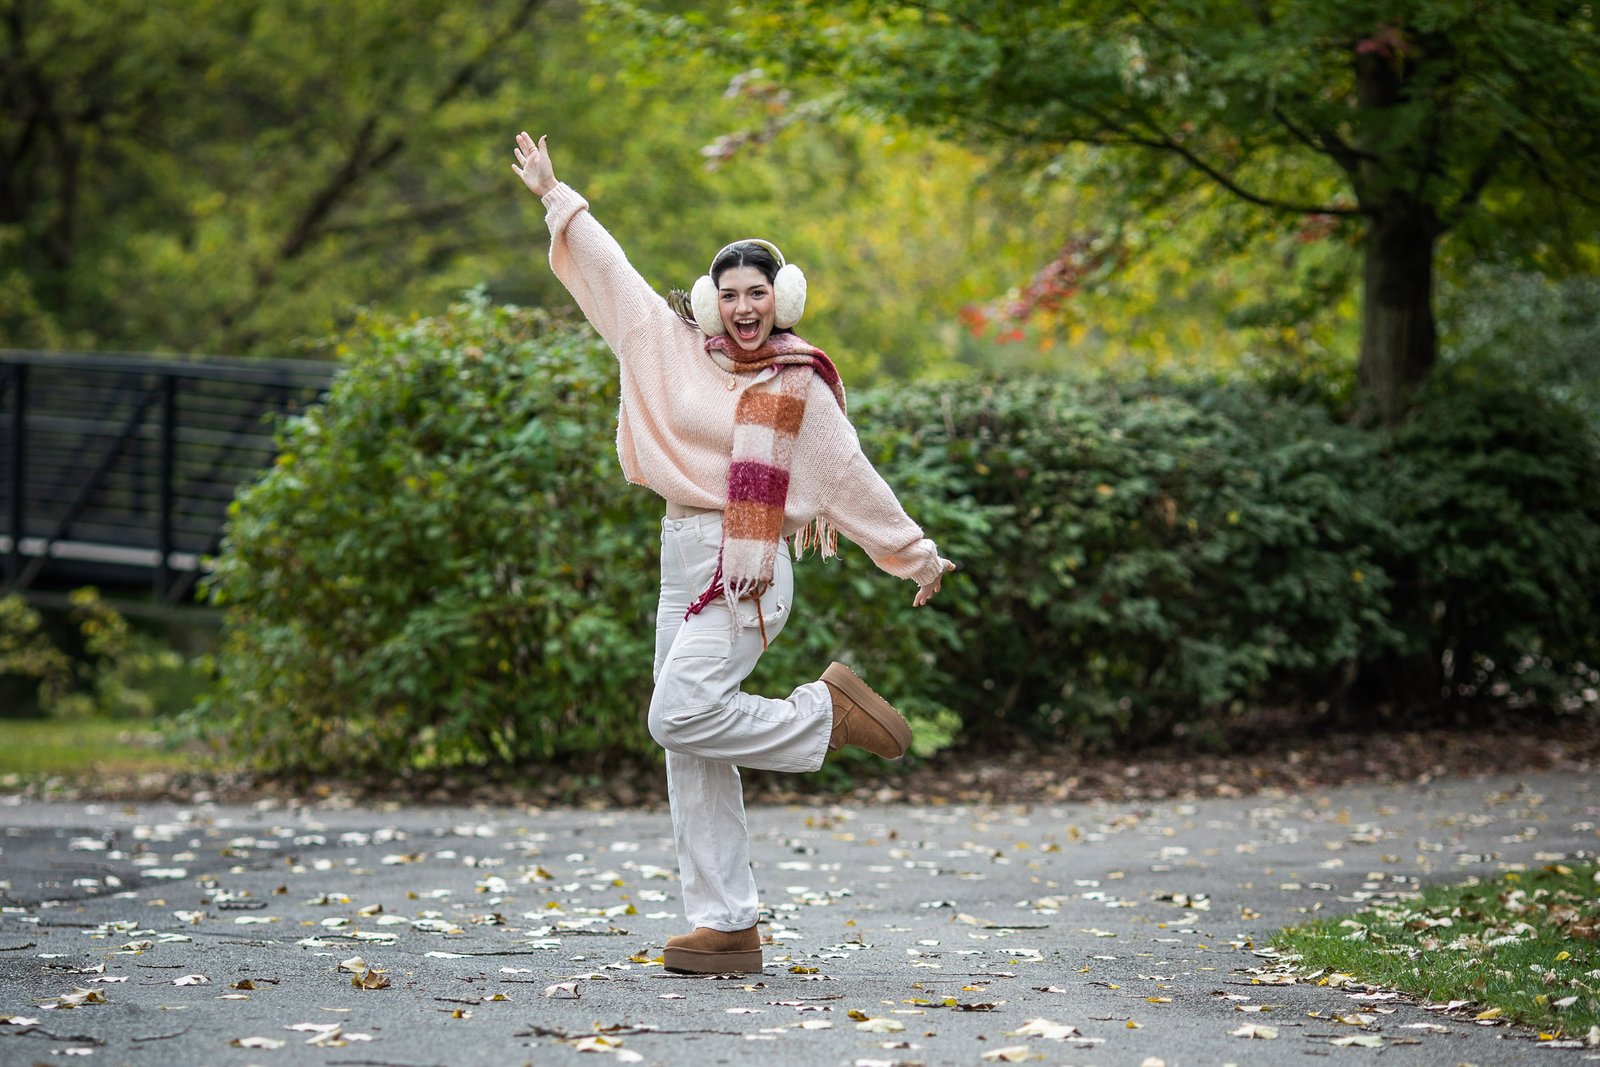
(710, 729)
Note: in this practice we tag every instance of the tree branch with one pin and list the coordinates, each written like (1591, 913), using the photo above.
(1167, 143)
(1325, 142)
(362, 160)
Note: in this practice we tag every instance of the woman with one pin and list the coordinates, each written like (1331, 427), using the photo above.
(741, 427)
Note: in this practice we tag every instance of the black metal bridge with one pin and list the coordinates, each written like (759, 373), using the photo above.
(117, 470)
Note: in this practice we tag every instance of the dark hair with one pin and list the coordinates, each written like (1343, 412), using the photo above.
(742, 254)
(745, 254)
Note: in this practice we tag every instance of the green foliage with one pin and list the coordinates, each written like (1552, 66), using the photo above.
(1503, 325)
(102, 667)
(1495, 502)
(1134, 561)
(1391, 126)
(443, 567)
(446, 568)
(29, 659)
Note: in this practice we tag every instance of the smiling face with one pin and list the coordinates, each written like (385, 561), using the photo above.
(747, 306)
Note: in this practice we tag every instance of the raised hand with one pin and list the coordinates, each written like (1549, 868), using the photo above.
(533, 164)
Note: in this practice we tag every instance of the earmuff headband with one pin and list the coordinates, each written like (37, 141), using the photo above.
(788, 290)
(768, 245)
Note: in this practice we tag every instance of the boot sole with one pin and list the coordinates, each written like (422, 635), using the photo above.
(696, 961)
(850, 683)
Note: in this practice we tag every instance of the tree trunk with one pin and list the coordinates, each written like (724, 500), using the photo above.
(1398, 340)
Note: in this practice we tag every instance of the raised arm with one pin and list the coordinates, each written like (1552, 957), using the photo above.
(613, 296)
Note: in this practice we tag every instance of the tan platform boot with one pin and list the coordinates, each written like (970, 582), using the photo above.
(708, 951)
(862, 717)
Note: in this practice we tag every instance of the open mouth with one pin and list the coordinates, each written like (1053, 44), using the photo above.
(747, 329)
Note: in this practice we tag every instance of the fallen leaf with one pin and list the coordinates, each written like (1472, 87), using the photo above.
(74, 999)
(370, 979)
(1360, 1040)
(257, 1042)
(192, 979)
(881, 1026)
(328, 1038)
(1251, 1030)
(1045, 1028)
(1011, 1054)
(562, 989)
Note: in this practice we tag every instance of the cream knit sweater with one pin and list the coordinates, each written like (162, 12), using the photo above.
(675, 427)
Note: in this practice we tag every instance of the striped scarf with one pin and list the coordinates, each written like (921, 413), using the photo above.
(766, 422)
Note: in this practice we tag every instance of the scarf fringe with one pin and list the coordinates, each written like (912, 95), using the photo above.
(738, 591)
(818, 534)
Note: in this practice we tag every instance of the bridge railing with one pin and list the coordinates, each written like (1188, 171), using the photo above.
(119, 469)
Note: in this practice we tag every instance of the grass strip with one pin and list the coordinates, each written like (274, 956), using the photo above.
(1523, 947)
(38, 748)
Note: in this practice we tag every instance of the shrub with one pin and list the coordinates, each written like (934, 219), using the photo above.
(31, 666)
(1132, 562)
(442, 567)
(101, 666)
(1494, 494)
(445, 566)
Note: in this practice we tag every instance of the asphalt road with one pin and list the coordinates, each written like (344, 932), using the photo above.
(1126, 934)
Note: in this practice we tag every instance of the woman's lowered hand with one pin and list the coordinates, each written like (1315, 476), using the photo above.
(533, 165)
(925, 592)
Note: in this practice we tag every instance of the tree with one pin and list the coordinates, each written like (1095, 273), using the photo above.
(240, 176)
(1419, 122)
(197, 174)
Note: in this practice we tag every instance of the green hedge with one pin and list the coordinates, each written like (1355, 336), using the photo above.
(446, 567)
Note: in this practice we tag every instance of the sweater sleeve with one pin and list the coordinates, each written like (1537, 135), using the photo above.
(863, 508)
(613, 296)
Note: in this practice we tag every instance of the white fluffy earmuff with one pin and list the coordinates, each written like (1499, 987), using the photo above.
(788, 292)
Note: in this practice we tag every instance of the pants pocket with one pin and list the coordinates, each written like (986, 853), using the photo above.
(769, 615)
